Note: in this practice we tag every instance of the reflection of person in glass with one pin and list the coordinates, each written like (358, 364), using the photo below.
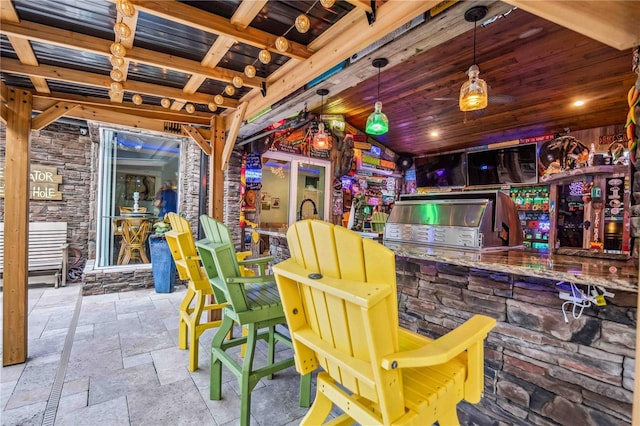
(166, 199)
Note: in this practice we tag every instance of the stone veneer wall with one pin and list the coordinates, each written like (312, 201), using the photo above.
(64, 147)
(125, 278)
(232, 196)
(538, 369)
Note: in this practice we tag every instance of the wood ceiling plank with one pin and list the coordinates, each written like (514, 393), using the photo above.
(51, 114)
(85, 43)
(102, 81)
(4, 90)
(233, 134)
(3, 113)
(194, 17)
(204, 145)
(103, 115)
(614, 26)
(8, 12)
(391, 15)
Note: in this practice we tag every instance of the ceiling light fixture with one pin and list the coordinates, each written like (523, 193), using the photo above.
(473, 93)
(378, 123)
(321, 139)
(578, 103)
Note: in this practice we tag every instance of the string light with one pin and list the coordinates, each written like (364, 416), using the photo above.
(237, 81)
(264, 56)
(218, 99)
(121, 29)
(166, 103)
(327, 3)
(250, 71)
(212, 106)
(116, 74)
(136, 99)
(116, 61)
(282, 44)
(116, 87)
(118, 50)
(126, 8)
(229, 90)
(302, 23)
(190, 108)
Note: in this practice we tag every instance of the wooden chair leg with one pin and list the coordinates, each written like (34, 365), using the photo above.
(305, 390)
(321, 407)
(215, 391)
(271, 348)
(183, 324)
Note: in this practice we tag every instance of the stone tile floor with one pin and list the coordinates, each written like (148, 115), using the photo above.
(116, 362)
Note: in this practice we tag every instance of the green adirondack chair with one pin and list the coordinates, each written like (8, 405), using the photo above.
(254, 303)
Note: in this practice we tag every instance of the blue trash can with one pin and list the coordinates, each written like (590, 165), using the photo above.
(162, 264)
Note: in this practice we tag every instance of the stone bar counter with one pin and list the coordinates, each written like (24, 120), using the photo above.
(539, 369)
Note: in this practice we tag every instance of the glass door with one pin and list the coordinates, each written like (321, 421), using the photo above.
(293, 187)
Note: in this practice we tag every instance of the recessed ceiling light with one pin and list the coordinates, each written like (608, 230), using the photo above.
(578, 103)
(435, 133)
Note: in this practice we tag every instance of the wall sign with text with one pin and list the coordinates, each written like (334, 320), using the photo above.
(44, 183)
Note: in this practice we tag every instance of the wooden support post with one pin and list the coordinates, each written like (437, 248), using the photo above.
(216, 183)
(16, 227)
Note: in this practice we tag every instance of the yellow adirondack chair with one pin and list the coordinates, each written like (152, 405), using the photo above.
(339, 296)
(255, 304)
(191, 322)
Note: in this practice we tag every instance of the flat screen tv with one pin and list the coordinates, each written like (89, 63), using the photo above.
(514, 164)
(442, 170)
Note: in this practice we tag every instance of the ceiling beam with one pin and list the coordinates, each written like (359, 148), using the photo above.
(361, 4)
(51, 114)
(193, 133)
(43, 101)
(102, 81)
(360, 34)
(22, 47)
(242, 17)
(4, 90)
(617, 26)
(238, 117)
(209, 22)
(84, 43)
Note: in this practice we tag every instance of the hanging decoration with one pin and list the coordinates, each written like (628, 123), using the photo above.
(378, 123)
(474, 94)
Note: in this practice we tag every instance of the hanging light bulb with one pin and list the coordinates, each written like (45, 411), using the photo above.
(116, 74)
(116, 61)
(118, 50)
(327, 3)
(136, 99)
(264, 56)
(282, 44)
(237, 81)
(302, 23)
(116, 87)
(378, 123)
(212, 106)
(321, 138)
(474, 94)
(250, 71)
(165, 102)
(218, 99)
(190, 108)
(121, 29)
(126, 8)
(229, 90)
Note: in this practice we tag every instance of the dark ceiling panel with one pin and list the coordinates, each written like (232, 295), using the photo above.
(16, 80)
(78, 89)
(214, 87)
(6, 48)
(241, 55)
(49, 54)
(278, 17)
(224, 8)
(172, 38)
(91, 17)
(155, 75)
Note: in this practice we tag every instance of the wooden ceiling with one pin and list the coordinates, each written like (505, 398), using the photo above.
(188, 51)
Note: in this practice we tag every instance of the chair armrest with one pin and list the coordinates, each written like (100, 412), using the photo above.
(445, 348)
(261, 279)
(257, 260)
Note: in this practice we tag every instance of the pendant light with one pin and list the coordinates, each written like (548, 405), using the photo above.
(378, 123)
(321, 139)
(473, 93)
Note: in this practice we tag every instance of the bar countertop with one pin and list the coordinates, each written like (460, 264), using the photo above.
(611, 274)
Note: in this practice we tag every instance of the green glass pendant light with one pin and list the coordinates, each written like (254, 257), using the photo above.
(378, 123)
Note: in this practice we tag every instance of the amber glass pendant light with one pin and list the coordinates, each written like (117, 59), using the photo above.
(378, 123)
(321, 138)
(474, 94)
